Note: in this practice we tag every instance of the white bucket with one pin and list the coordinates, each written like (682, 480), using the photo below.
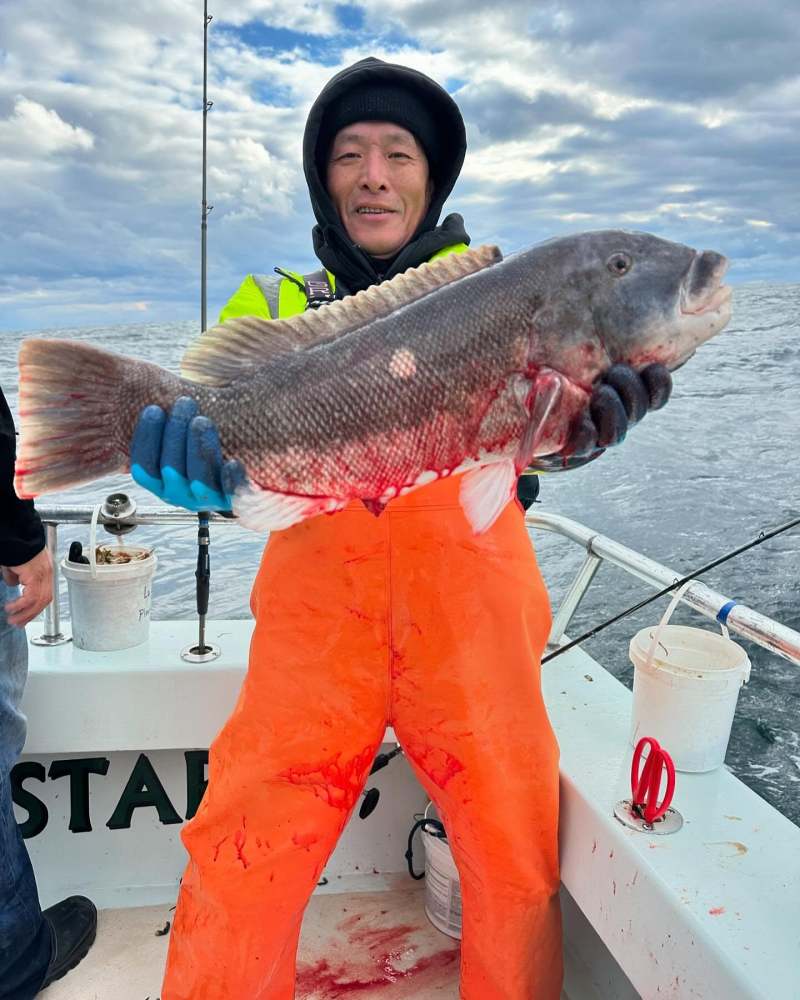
(686, 684)
(442, 886)
(110, 602)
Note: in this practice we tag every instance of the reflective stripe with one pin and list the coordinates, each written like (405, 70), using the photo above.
(269, 285)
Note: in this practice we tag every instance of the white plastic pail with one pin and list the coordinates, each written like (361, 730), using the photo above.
(110, 610)
(686, 684)
(109, 602)
(442, 886)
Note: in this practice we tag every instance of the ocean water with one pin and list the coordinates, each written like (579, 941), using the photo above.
(709, 472)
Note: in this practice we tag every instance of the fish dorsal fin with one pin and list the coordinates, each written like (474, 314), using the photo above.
(227, 351)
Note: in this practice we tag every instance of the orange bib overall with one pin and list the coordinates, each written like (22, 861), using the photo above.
(407, 619)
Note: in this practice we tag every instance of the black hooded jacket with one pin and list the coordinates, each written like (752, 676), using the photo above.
(351, 265)
(21, 531)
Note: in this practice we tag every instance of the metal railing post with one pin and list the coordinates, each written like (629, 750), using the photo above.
(573, 598)
(52, 635)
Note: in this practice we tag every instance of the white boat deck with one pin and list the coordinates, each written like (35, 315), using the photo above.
(378, 944)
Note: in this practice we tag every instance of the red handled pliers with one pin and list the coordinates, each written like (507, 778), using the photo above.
(646, 779)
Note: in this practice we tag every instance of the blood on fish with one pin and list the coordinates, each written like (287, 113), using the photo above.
(423, 374)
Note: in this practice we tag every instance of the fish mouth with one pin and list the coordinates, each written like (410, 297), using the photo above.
(718, 298)
(702, 290)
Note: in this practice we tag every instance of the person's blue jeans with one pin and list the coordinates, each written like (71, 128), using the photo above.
(25, 937)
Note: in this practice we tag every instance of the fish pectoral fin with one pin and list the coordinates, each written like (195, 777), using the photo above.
(546, 393)
(485, 492)
(232, 349)
(265, 510)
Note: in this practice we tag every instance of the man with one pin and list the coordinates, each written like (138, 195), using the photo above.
(407, 618)
(35, 948)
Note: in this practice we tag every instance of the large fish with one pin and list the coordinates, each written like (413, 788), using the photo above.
(471, 363)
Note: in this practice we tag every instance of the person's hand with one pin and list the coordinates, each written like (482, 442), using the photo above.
(623, 397)
(178, 457)
(36, 578)
(620, 400)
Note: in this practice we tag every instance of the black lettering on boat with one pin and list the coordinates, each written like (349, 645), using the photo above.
(144, 788)
(36, 809)
(79, 769)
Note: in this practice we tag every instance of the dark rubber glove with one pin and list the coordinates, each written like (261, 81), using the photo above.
(618, 401)
(178, 457)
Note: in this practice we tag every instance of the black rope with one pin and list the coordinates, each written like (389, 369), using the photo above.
(760, 539)
(410, 852)
(436, 831)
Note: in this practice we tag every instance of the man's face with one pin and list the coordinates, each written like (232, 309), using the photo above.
(379, 183)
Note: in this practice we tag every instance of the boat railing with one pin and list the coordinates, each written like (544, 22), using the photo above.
(740, 619)
(52, 517)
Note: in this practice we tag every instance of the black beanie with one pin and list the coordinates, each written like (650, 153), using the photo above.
(381, 102)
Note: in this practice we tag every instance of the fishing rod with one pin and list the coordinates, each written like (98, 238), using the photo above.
(203, 651)
(205, 207)
(758, 540)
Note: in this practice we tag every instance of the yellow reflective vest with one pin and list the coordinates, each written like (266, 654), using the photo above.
(275, 296)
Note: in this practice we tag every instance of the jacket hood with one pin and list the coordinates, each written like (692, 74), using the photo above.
(332, 245)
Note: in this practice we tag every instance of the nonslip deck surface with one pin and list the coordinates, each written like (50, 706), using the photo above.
(376, 946)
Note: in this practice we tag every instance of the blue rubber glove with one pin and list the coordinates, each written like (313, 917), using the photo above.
(178, 457)
(620, 400)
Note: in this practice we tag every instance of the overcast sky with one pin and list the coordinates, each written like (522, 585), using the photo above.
(678, 118)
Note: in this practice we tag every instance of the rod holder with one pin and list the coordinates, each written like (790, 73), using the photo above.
(670, 822)
(200, 654)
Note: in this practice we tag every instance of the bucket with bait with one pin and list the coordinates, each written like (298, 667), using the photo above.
(686, 684)
(442, 885)
(109, 599)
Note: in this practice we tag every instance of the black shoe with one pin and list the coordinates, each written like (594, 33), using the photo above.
(73, 925)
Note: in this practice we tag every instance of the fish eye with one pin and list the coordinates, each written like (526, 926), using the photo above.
(619, 263)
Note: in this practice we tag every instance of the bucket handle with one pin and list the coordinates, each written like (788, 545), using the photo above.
(665, 619)
(93, 540)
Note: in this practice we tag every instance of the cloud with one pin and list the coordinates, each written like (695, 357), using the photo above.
(499, 112)
(33, 130)
(306, 16)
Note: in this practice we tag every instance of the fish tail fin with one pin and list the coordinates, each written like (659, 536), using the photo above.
(71, 425)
